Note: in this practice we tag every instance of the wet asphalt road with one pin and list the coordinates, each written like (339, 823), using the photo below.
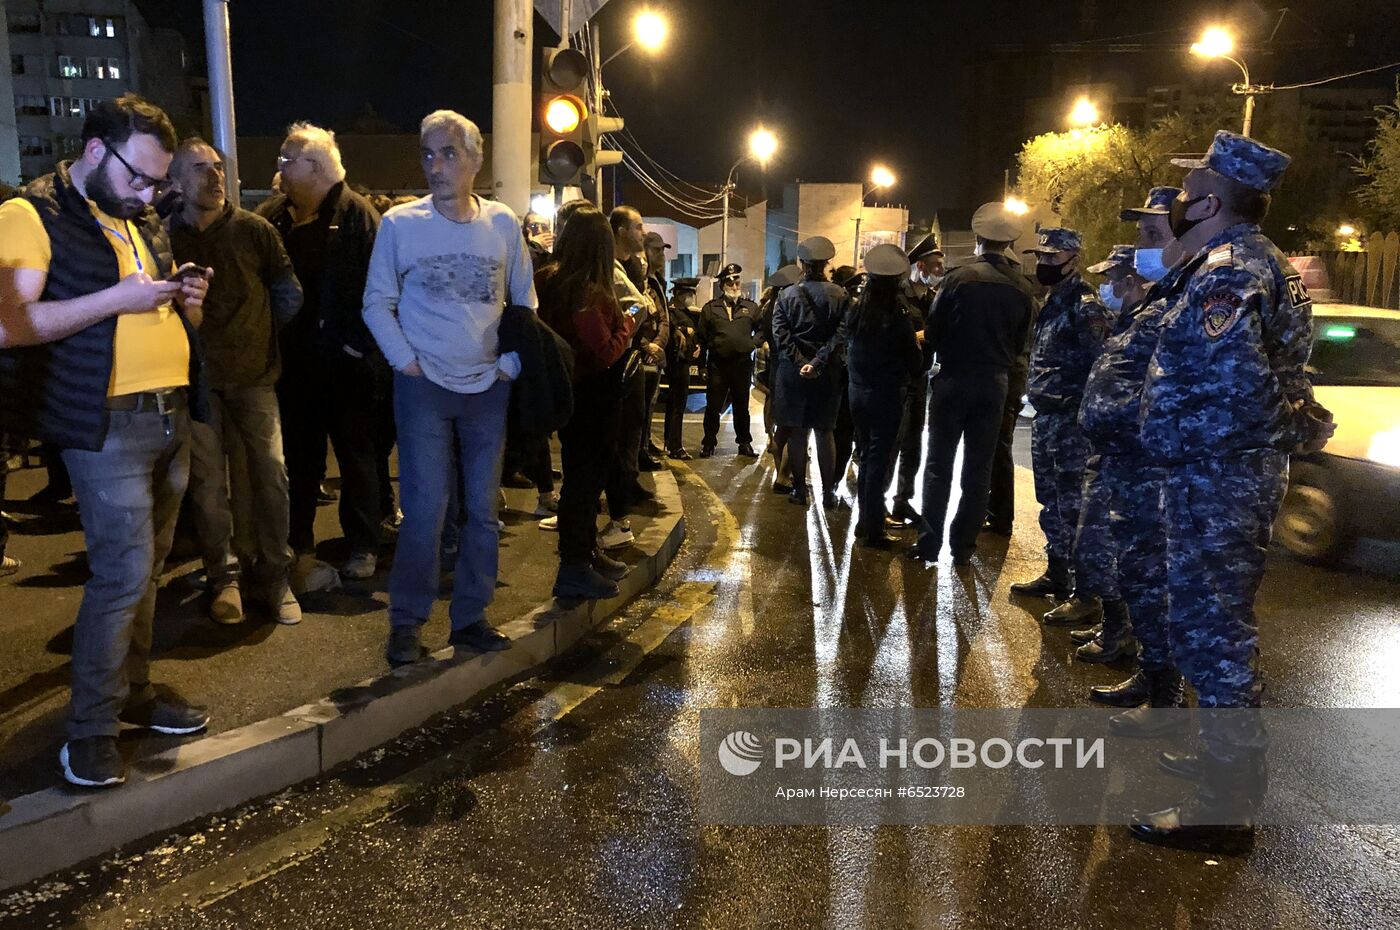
(569, 800)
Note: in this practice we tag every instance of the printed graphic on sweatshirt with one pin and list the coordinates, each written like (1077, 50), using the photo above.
(461, 278)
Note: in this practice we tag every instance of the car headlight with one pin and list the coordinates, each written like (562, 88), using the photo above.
(1385, 448)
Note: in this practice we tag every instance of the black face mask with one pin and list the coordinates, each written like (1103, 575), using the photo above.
(1050, 275)
(1177, 218)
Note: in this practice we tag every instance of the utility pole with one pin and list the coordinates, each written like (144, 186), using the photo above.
(510, 104)
(221, 90)
(724, 231)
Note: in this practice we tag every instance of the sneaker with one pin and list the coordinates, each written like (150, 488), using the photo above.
(360, 566)
(616, 535)
(9, 566)
(311, 574)
(285, 607)
(479, 637)
(609, 568)
(548, 504)
(582, 582)
(404, 646)
(226, 607)
(166, 714)
(92, 762)
(550, 523)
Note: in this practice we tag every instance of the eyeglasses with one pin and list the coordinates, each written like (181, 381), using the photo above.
(139, 180)
(285, 160)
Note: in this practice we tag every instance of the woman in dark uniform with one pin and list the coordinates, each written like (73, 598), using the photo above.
(808, 333)
(883, 357)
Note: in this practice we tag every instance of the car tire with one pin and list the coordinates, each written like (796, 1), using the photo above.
(1310, 523)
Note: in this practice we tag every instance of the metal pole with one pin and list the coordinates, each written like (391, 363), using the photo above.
(724, 232)
(855, 251)
(221, 90)
(510, 104)
(596, 60)
(1248, 113)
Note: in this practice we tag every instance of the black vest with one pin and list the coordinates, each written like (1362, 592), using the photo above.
(57, 392)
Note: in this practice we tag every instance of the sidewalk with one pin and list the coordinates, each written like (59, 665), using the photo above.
(268, 683)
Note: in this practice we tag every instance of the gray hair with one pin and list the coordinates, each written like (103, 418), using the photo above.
(319, 145)
(466, 131)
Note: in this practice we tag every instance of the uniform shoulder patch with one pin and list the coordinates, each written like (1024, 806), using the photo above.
(1297, 291)
(1219, 312)
(1220, 256)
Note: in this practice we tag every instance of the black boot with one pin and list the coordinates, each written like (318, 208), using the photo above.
(1076, 610)
(798, 495)
(1115, 639)
(1088, 635)
(1185, 764)
(1128, 693)
(1220, 816)
(1166, 691)
(1053, 583)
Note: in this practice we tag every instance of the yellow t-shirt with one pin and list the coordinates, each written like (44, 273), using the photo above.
(150, 350)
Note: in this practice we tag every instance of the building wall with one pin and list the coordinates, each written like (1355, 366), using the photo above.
(9, 130)
(832, 210)
(64, 55)
(747, 235)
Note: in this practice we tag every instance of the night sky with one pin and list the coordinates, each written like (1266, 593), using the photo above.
(844, 84)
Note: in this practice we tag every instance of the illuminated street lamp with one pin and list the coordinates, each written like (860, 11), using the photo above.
(1016, 205)
(1084, 114)
(650, 29)
(1346, 230)
(1216, 42)
(762, 146)
(881, 178)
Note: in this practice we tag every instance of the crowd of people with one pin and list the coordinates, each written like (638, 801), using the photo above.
(168, 346)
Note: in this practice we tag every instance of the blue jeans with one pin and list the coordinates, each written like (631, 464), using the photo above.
(128, 497)
(429, 419)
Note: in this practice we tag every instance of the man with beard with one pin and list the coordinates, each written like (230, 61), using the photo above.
(238, 477)
(98, 356)
(333, 375)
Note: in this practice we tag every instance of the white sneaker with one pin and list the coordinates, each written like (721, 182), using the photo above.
(360, 566)
(616, 535)
(9, 566)
(548, 504)
(550, 523)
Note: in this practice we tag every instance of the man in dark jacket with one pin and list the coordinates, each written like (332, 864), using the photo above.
(916, 291)
(333, 375)
(681, 349)
(98, 357)
(728, 331)
(240, 512)
(655, 333)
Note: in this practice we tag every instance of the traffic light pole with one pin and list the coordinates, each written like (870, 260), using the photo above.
(511, 104)
(216, 49)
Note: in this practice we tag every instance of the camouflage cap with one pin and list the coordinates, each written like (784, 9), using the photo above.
(1158, 203)
(1118, 255)
(1242, 159)
(1052, 239)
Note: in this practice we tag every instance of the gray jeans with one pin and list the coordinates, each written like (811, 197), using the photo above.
(128, 498)
(238, 489)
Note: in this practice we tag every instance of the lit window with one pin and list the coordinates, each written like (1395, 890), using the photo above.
(68, 68)
(94, 26)
(114, 69)
(111, 29)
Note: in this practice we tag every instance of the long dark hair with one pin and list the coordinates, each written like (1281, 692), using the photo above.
(582, 268)
(878, 305)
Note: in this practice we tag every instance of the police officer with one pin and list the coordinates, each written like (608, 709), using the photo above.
(1069, 331)
(844, 435)
(884, 356)
(680, 351)
(1225, 402)
(976, 327)
(1108, 415)
(778, 282)
(728, 331)
(916, 290)
(809, 335)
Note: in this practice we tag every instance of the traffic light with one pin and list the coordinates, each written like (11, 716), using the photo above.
(563, 115)
(595, 156)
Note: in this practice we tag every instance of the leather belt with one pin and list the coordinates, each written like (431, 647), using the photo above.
(162, 402)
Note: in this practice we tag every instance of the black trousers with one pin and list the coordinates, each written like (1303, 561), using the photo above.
(4, 479)
(651, 390)
(385, 437)
(588, 447)
(336, 399)
(1001, 505)
(677, 392)
(728, 386)
(911, 439)
(530, 457)
(844, 435)
(966, 409)
(876, 413)
(631, 421)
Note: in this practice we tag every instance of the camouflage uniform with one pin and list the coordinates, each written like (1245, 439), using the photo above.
(1218, 410)
(1069, 331)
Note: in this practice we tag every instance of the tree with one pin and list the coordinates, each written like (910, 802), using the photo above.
(1380, 195)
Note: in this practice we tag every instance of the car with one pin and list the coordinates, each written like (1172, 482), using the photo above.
(1352, 488)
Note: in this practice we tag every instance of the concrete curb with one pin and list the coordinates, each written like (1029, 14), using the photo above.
(62, 826)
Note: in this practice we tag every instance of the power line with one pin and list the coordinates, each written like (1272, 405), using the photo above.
(1340, 77)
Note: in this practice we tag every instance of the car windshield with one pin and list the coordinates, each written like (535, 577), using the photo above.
(1355, 351)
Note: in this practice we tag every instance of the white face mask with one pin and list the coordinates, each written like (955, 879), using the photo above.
(933, 280)
(1110, 300)
(1148, 263)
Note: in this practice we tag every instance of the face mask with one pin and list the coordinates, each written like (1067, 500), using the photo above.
(934, 280)
(1179, 223)
(1050, 275)
(1110, 300)
(1148, 263)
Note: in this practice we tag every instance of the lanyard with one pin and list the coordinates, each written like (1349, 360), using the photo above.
(129, 239)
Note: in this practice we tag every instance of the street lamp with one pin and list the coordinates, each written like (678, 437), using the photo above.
(1016, 205)
(1346, 230)
(762, 146)
(1084, 113)
(1216, 42)
(650, 28)
(881, 178)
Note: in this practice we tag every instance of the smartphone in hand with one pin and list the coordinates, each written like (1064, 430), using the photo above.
(188, 270)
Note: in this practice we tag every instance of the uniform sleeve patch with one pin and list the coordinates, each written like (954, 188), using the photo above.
(1219, 313)
(1297, 291)
(1220, 256)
